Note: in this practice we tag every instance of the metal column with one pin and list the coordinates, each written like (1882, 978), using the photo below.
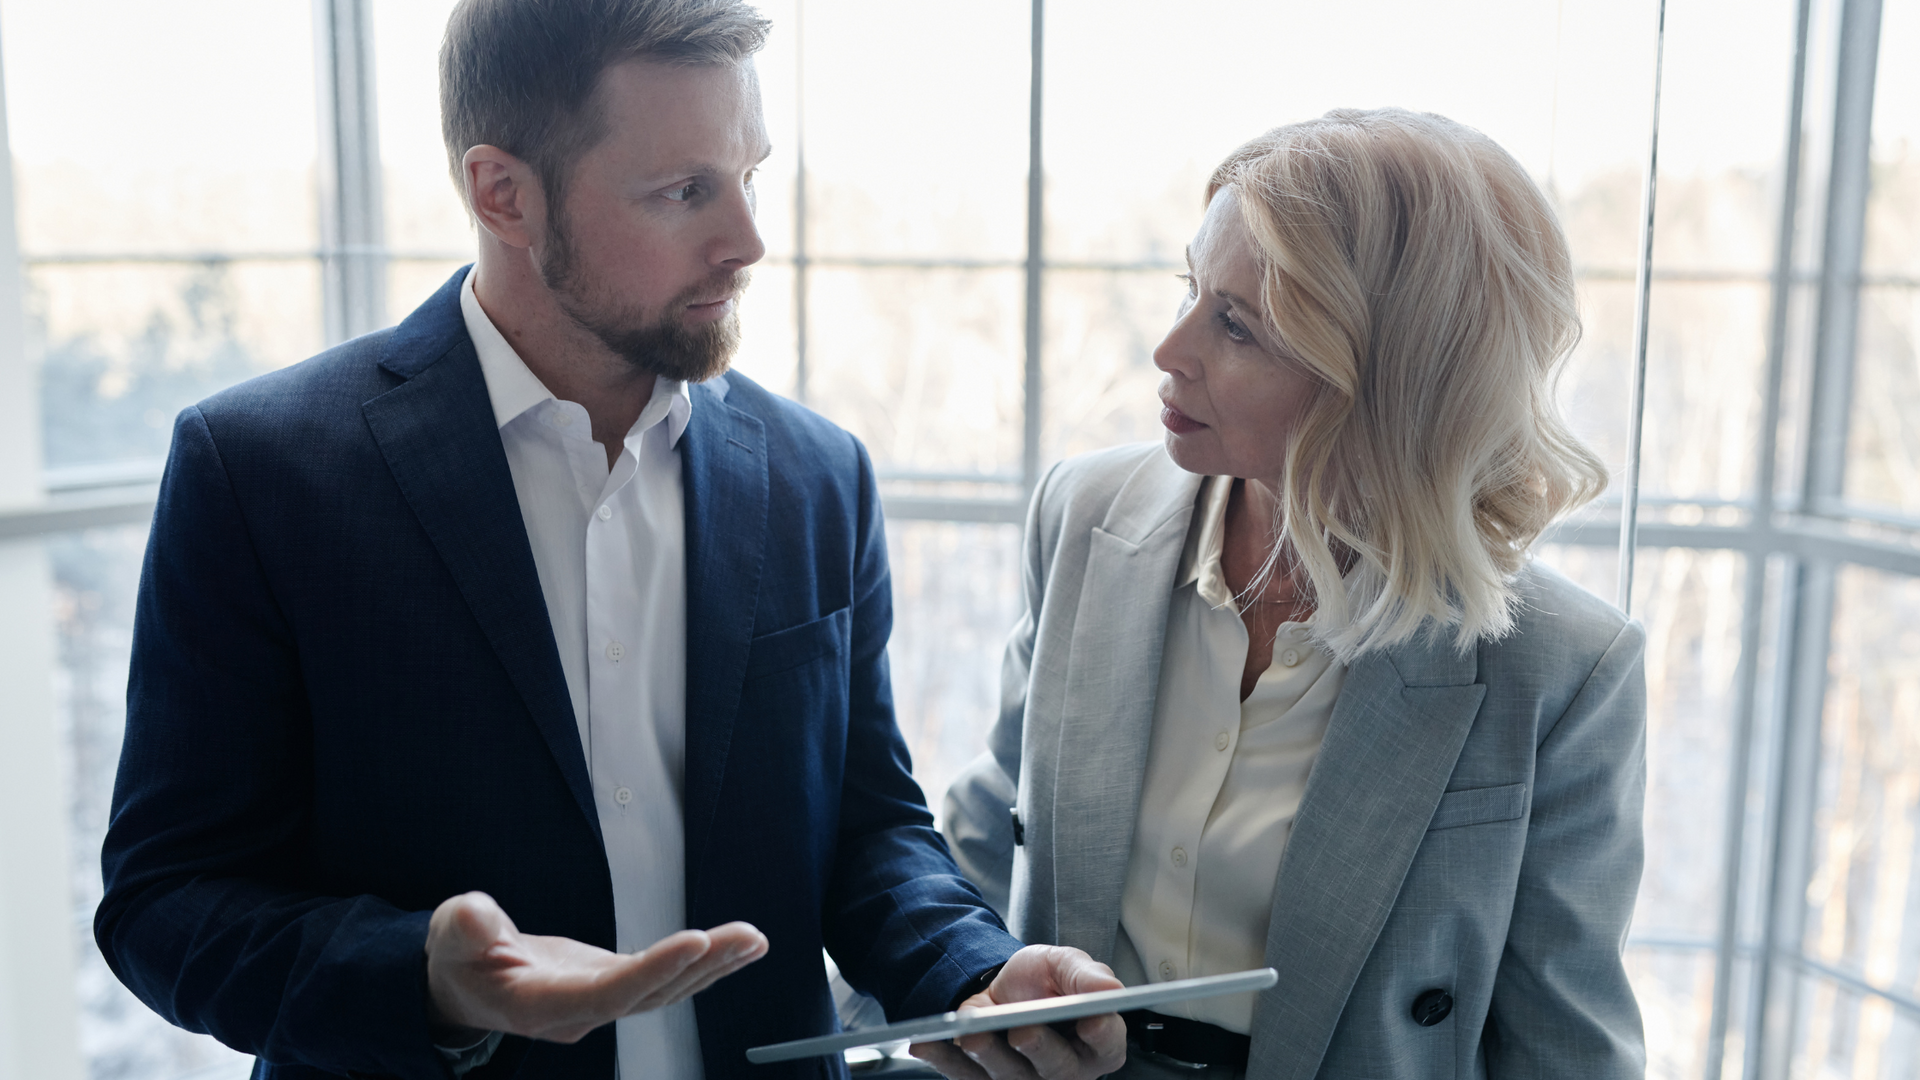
(1036, 258)
(352, 222)
(1753, 599)
(1773, 1014)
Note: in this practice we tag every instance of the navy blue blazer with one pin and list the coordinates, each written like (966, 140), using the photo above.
(346, 705)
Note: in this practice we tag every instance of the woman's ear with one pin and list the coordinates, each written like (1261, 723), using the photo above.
(503, 195)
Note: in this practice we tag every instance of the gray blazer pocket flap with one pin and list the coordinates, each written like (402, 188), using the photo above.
(796, 646)
(1477, 806)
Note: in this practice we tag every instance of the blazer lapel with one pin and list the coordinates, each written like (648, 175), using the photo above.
(438, 435)
(1396, 731)
(1113, 674)
(723, 462)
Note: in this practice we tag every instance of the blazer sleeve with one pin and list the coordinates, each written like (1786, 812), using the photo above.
(977, 815)
(1562, 1004)
(205, 916)
(901, 921)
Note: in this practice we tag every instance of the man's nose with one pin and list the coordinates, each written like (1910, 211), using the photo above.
(738, 244)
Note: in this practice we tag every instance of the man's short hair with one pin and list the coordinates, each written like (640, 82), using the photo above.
(522, 74)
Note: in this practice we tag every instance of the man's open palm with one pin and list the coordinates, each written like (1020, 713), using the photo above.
(485, 975)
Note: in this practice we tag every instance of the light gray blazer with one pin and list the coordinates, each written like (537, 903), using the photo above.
(1472, 823)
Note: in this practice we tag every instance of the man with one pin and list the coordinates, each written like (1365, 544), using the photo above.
(477, 658)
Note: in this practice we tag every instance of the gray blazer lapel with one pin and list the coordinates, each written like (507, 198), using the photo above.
(1390, 749)
(1113, 673)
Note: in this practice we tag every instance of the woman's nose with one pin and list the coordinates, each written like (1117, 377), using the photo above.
(1175, 355)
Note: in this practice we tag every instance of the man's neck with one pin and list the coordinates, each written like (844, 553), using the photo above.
(569, 361)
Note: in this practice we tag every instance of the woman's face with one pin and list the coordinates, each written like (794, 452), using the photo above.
(1231, 394)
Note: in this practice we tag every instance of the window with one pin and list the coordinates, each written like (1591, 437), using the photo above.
(973, 215)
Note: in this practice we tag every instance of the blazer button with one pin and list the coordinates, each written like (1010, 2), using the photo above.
(1432, 1007)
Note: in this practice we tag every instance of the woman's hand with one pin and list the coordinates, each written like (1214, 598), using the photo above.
(1099, 1044)
(483, 974)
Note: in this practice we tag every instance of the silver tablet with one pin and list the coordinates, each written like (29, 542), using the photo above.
(1019, 1014)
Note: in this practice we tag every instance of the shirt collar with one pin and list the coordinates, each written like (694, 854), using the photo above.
(1200, 563)
(513, 388)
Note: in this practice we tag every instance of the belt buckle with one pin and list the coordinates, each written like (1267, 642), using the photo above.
(1168, 1060)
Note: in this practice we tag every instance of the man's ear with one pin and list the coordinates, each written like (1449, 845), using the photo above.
(504, 196)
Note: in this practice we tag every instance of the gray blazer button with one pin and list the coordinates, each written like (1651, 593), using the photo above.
(1432, 1007)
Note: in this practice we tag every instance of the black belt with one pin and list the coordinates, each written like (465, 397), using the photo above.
(1187, 1044)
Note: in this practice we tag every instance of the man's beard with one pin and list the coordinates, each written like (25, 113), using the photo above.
(660, 344)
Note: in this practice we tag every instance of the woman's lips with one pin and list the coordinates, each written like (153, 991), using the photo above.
(1178, 422)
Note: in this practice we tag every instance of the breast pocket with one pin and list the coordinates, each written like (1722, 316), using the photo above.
(798, 646)
(1478, 806)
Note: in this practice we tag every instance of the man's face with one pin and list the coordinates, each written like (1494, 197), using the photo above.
(650, 250)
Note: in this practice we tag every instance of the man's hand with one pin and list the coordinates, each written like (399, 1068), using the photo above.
(485, 975)
(1099, 1045)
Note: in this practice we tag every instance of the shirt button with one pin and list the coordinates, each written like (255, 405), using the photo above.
(1221, 740)
(623, 796)
(604, 513)
(615, 651)
(1166, 969)
(1179, 856)
(1290, 658)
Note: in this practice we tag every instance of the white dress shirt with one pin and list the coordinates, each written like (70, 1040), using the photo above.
(1224, 779)
(610, 548)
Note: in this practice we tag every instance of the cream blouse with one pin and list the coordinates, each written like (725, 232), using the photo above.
(1224, 779)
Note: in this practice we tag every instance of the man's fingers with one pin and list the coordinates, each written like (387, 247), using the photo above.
(653, 985)
(947, 1058)
(714, 969)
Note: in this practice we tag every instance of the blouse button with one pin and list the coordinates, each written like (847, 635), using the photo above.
(604, 513)
(1290, 658)
(1179, 856)
(1220, 741)
(1166, 969)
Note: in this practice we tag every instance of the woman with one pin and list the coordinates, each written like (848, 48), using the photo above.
(1289, 692)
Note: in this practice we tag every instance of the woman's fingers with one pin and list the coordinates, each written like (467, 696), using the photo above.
(948, 1058)
(1002, 1062)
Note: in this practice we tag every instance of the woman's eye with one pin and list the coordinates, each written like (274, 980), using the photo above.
(1233, 329)
(1187, 280)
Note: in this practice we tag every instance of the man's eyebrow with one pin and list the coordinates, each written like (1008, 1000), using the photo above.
(702, 168)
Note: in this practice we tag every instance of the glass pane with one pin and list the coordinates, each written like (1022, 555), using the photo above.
(916, 128)
(135, 139)
(925, 366)
(1893, 207)
(1863, 896)
(123, 348)
(95, 574)
(423, 210)
(1675, 989)
(1101, 329)
(1140, 107)
(1883, 455)
(1847, 1035)
(955, 596)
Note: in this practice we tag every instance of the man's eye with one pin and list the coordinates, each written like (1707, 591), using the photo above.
(684, 193)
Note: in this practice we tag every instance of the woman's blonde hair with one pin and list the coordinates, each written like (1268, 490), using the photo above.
(1416, 270)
